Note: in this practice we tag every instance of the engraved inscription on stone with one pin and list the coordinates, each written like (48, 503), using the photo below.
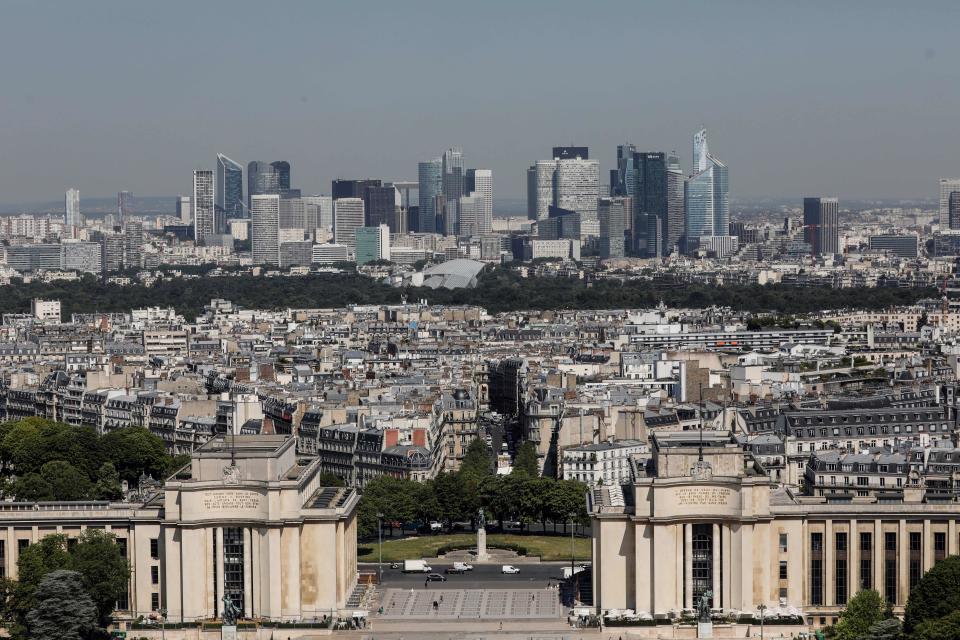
(703, 496)
(231, 500)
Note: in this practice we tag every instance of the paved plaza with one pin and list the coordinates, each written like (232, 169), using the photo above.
(467, 604)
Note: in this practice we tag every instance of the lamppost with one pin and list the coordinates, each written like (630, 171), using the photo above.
(380, 545)
(761, 608)
(163, 624)
(572, 516)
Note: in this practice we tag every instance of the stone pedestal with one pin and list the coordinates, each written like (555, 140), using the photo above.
(228, 632)
(704, 629)
(482, 544)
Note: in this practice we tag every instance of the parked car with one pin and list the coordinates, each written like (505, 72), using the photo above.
(459, 567)
(395, 565)
(436, 526)
(436, 577)
(509, 568)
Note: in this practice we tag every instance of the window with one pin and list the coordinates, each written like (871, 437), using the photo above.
(939, 546)
(866, 561)
(915, 560)
(841, 567)
(154, 575)
(21, 546)
(154, 548)
(890, 566)
(783, 569)
(816, 568)
(233, 571)
(122, 545)
(3, 558)
(783, 543)
(155, 601)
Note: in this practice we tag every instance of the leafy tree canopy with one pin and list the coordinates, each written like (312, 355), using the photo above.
(936, 595)
(863, 611)
(64, 610)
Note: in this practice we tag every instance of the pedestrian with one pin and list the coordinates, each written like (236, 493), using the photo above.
(441, 598)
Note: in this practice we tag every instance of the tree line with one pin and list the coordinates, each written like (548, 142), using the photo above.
(458, 496)
(42, 460)
(499, 289)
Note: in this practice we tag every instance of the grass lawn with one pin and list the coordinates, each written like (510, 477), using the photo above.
(547, 547)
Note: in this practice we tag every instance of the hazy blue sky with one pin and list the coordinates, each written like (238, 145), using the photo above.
(855, 99)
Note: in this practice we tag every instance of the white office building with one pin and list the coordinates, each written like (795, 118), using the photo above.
(568, 183)
(318, 213)
(265, 228)
(604, 463)
(330, 253)
(72, 215)
(483, 187)
(348, 216)
(184, 212)
(204, 220)
(947, 186)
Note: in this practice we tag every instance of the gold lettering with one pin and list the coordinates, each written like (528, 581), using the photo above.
(703, 496)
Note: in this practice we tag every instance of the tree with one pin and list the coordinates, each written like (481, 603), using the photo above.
(936, 595)
(476, 460)
(135, 451)
(944, 628)
(328, 479)
(31, 487)
(66, 483)
(96, 556)
(64, 610)
(525, 462)
(862, 611)
(34, 563)
(888, 629)
(107, 486)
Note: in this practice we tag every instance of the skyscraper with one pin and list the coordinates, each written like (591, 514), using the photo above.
(292, 211)
(453, 175)
(381, 205)
(479, 182)
(947, 186)
(318, 212)
(706, 198)
(649, 202)
(229, 194)
(183, 209)
(430, 179)
(124, 205)
(133, 239)
(372, 244)
(622, 180)
(576, 186)
(262, 179)
(612, 213)
(953, 210)
(347, 218)
(265, 228)
(282, 170)
(675, 222)
(821, 225)
(71, 209)
(352, 188)
(204, 219)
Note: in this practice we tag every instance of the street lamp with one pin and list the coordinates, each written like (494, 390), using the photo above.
(761, 608)
(572, 516)
(380, 545)
(163, 624)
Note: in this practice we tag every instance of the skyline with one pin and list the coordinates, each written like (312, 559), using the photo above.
(876, 102)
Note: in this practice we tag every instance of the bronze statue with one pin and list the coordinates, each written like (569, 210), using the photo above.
(230, 612)
(703, 607)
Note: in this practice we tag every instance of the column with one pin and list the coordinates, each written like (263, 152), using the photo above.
(247, 574)
(853, 560)
(829, 552)
(727, 567)
(878, 551)
(688, 566)
(951, 537)
(926, 544)
(903, 566)
(717, 552)
(218, 605)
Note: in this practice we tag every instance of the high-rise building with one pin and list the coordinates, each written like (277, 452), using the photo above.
(372, 244)
(567, 183)
(84, 257)
(124, 206)
(348, 216)
(480, 183)
(903, 246)
(430, 179)
(133, 239)
(111, 255)
(204, 219)
(706, 194)
(675, 222)
(292, 212)
(612, 213)
(471, 214)
(265, 228)
(649, 202)
(282, 170)
(71, 209)
(352, 188)
(622, 180)
(183, 209)
(229, 191)
(262, 179)
(382, 206)
(947, 186)
(318, 212)
(571, 153)
(821, 225)
(453, 175)
(953, 210)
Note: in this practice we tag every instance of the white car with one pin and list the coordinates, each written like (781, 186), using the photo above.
(509, 568)
(435, 526)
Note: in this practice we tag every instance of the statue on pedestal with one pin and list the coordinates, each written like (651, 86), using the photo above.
(703, 607)
(230, 612)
